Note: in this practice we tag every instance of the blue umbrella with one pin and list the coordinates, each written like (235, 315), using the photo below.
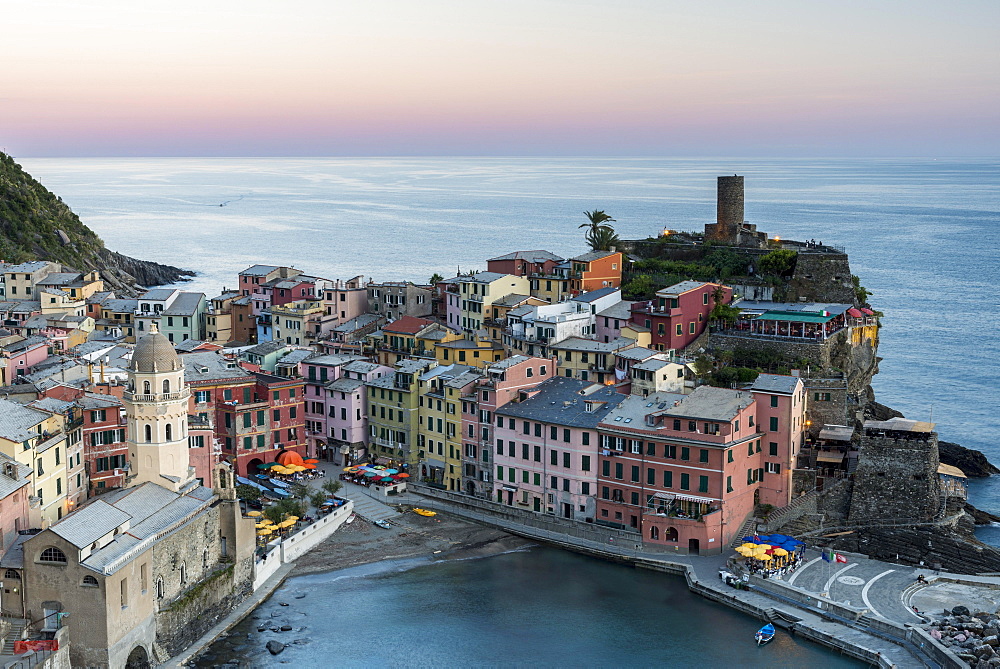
(764, 539)
(391, 471)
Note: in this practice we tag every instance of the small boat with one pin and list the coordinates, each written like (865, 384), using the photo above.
(350, 519)
(425, 512)
(384, 524)
(764, 634)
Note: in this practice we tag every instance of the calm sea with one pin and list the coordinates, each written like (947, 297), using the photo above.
(923, 235)
(539, 608)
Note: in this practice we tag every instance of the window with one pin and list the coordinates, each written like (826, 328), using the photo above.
(585, 463)
(554, 458)
(169, 430)
(685, 453)
(53, 555)
(149, 433)
(124, 592)
(619, 471)
(774, 424)
(159, 588)
(183, 574)
(702, 484)
(772, 448)
(166, 386)
(691, 328)
(774, 401)
(685, 481)
(772, 467)
(584, 435)
(729, 455)
(143, 577)
(89, 582)
(703, 455)
(650, 476)
(729, 484)
(635, 474)
(566, 459)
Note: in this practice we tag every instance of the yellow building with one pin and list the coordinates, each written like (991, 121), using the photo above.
(393, 412)
(552, 288)
(439, 438)
(468, 351)
(297, 322)
(479, 291)
(38, 439)
(219, 318)
(589, 360)
(496, 323)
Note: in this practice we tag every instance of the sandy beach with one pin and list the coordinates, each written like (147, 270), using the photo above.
(412, 535)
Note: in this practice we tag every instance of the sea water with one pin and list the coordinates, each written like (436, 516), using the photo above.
(537, 608)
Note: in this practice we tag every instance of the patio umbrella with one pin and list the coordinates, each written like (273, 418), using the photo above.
(311, 461)
(254, 514)
(260, 526)
(276, 467)
(765, 558)
(266, 465)
(780, 551)
(387, 479)
(292, 518)
(371, 475)
(351, 469)
(391, 471)
(748, 545)
(260, 476)
(263, 533)
(310, 466)
(403, 476)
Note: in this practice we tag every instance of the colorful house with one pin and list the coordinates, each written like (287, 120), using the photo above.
(679, 314)
(595, 270)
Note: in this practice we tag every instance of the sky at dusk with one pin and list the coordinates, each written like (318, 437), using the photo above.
(465, 77)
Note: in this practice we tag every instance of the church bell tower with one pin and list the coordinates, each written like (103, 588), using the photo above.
(156, 407)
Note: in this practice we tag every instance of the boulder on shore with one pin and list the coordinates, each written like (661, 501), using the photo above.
(274, 647)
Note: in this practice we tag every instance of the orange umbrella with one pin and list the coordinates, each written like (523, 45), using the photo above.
(312, 461)
(309, 465)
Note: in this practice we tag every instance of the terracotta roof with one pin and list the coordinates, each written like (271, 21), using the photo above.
(407, 325)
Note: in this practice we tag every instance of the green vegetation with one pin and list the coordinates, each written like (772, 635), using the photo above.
(286, 507)
(317, 498)
(601, 235)
(722, 312)
(247, 493)
(860, 291)
(780, 262)
(30, 218)
(195, 591)
(333, 487)
(435, 279)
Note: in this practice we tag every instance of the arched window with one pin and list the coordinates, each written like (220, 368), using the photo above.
(654, 532)
(149, 434)
(90, 582)
(166, 386)
(170, 432)
(12, 574)
(184, 573)
(204, 558)
(146, 390)
(159, 588)
(52, 554)
(671, 534)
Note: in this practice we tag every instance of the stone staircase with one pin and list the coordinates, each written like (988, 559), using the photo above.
(16, 633)
(365, 506)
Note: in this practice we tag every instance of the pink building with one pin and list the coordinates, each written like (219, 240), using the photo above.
(546, 447)
(524, 263)
(502, 383)
(337, 405)
(346, 299)
(15, 484)
(686, 471)
(21, 356)
(679, 314)
(609, 322)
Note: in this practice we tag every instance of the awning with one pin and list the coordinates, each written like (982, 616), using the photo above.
(510, 488)
(949, 470)
(830, 457)
(867, 311)
(796, 316)
(854, 313)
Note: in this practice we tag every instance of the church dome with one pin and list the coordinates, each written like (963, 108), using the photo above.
(154, 353)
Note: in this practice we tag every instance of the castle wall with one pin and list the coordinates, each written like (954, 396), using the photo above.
(821, 277)
(896, 478)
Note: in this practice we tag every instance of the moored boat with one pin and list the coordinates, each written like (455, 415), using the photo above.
(424, 512)
(764, 634)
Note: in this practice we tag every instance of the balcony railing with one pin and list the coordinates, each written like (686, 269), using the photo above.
(158, 397)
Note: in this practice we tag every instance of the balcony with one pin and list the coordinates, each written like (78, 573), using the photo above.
(157, 397)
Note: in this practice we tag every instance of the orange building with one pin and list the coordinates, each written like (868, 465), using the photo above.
(597, 269)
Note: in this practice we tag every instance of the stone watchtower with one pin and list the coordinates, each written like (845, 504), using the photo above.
(156, 408)
(897, 476)
(729, 227)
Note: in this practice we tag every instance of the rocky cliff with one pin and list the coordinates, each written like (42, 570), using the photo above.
(35, 224)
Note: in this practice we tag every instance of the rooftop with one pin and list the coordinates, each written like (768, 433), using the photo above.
(258, 270)
(682, 287)
(710, 403)
(16, 421)
(530, 256)
(594, 295)
(591, 345)
(636, 353)
(593, 255)
(564, 401)
(633, 409)
(267, 348)
(621, 310)
(775, 383)
(202, 366)
(158, 294)
(186, 304)
(407, 325)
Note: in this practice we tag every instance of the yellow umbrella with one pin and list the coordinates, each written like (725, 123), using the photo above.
(266, 521)
(262, 533)
(780, 551)
(286, 523)
(260, 526)
(748, 545)
(765, 557)
(350, 469)
(275, 468)
(254, 514)
(292, 518)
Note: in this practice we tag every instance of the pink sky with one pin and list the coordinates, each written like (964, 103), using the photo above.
(106, 78)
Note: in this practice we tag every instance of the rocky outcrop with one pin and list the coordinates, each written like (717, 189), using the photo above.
(981, 517)
(972, 463)
(35, 224)
(129, 271)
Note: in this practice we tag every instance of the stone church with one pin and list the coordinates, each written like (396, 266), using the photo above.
(141, 572)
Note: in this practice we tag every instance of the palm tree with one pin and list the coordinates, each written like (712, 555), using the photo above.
(435, 279)
(602, 239)
(597, 220)
(600, 235)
